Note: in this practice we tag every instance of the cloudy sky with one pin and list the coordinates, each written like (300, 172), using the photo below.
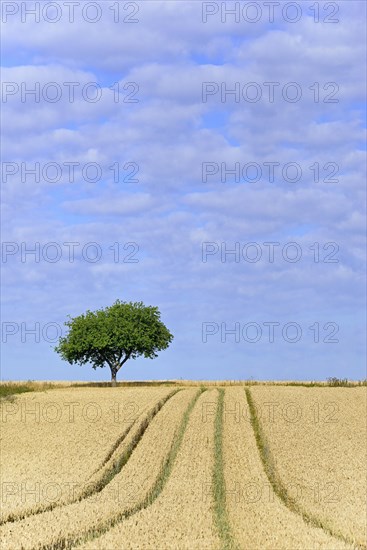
(203, 157)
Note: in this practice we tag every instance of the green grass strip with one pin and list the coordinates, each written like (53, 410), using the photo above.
(219, 487)
(10, 389)
(279, 488)
(66, 543)
(7, 390)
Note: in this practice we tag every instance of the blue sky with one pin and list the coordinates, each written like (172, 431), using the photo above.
(313, 295)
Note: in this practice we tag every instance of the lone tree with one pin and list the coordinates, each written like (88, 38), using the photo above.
(113, 335)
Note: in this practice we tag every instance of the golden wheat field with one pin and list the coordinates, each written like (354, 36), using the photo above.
(184, 467)
(52, 442)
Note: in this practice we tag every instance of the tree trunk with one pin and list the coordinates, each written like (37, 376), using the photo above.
(113, 379)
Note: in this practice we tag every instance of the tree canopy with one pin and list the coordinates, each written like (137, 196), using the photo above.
(111, 336)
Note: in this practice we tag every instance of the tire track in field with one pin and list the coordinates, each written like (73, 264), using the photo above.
(105, 472)
(181, 517)
(71, 542)
(118, 463)
(110, 470)
(276, 482)
(123, 436)
(220, 511)
(68, 526)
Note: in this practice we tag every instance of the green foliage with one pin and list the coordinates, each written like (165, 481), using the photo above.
(344, 382)
(333, 381)
(9, 389)
(111, 336)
